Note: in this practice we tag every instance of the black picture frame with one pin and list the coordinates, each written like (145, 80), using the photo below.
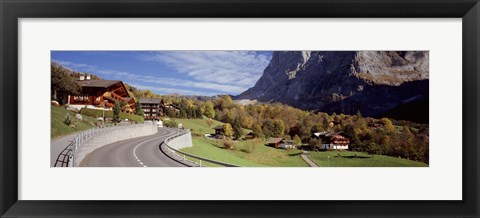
(11, 11)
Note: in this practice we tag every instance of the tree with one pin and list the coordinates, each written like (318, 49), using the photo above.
(209, 111)
(227, 130)
(278, 128)
(224, 101)
(209, 122)
(388, 126)
(359, 114)
(315, 143)
(317, 128)
(237, 129)
(62, 84)
(257, 130)
(371, 148)
(116, 111)
(228, 144)
(138, 109)
(228, 117)
(199, 112)
(297, 141)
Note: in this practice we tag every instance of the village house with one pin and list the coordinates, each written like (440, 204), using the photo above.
(153, 108)
(250, 136)
(280, 143)
(218, 131)
(333, 140)
(99, 94)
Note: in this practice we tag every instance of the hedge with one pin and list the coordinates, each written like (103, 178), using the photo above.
(109, 114)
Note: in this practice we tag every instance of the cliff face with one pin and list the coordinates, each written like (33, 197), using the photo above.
(373, 82)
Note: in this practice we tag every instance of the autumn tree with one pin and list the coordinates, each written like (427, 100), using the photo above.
(209, 122)
(297, 141)
(387, 125)
(62, 84)
(209, 111)
(273, 128)
(227, 130)
(257, 130)
(278, 128)
(224, 101)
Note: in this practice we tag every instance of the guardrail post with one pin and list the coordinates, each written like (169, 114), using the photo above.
(200, 163)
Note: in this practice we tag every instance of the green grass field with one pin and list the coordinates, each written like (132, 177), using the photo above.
(360, 159)
(262, 156)
(200, 126)
(59, 128)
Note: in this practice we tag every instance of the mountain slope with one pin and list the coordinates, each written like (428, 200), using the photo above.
(372, 82)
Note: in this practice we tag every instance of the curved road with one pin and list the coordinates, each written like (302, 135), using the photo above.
(137, 152)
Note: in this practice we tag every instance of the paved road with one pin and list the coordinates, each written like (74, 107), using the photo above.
(136, 152)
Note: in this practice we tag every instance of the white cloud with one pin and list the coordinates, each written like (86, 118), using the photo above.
(218, 88)
(241, 68)
(76, 66)
(165, 90)
(221, 72)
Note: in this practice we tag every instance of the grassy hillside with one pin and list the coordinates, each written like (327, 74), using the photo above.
(59, 128)
(360, 159)
(262, 156)
(200, 127)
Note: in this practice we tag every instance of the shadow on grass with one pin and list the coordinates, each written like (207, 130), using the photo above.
(295, 154)
(353, 157)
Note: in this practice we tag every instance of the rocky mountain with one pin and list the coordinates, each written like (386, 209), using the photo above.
(376, 83)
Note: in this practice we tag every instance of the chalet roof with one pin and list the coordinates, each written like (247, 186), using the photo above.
(274, 140)
(250, 133)
(150, 100)
(97, 83)
(329, 134)
(218, 127)
(129, 98)
(318, 134)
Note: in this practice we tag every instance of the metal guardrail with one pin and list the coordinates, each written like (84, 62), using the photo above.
(199, 163)
(66, 158)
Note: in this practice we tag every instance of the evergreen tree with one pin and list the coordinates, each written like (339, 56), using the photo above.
(117, 109)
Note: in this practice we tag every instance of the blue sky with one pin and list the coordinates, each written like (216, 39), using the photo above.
(205, 73)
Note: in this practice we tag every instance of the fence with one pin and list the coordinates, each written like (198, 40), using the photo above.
(195, 160)
(68, 156)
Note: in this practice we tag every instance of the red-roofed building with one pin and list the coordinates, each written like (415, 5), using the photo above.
(94, 92)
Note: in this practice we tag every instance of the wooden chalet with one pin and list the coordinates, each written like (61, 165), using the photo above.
(250, 136)
(218, 130)
(275, 142)
(153, 108)
(94, 92)
(333, 140)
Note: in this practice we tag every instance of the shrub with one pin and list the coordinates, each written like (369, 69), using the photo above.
(228, 144)
(170, 124)
(109, 114)
(67, 120)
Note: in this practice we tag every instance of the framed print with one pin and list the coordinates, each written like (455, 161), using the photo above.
(252, 109)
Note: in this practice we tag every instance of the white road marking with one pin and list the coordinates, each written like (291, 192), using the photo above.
(135, 149)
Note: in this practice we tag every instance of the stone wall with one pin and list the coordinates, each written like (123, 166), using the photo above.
(182, 141)
(111, 135)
